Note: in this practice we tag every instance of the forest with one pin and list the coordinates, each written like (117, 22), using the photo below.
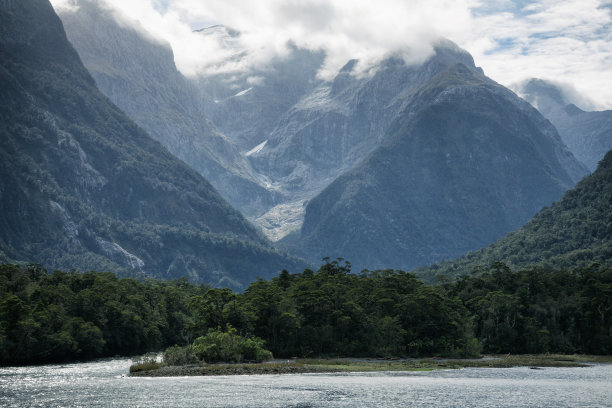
(332, 312)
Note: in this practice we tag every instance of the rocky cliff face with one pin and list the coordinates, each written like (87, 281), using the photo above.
(331, 129)
(463, 162)
(137, 73)
(587, 134)
(84, 187)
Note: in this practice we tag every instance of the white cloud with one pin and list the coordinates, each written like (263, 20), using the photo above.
(560, 40)
(65, 5)
(344, 29)
(566, 40)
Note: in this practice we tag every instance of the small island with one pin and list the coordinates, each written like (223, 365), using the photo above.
(346, 365)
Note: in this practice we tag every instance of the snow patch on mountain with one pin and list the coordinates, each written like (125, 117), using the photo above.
(243, 92)
(257, 148)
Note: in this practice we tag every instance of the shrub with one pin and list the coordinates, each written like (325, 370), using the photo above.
(146, 362)
(229, 347)
(177, 355)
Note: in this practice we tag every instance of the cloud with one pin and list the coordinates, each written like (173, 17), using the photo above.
(65, 6)
(566, 40)
(561, 40)
(343, 29)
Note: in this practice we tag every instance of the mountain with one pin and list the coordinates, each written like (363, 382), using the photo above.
(573, 232)
(331, 126)
(340, 122)
(299, 134)
(138, 74)
(588, 134)
(283, 133)
(464, 162)
(84, 187)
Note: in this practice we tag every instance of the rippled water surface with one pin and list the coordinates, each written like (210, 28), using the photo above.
(106, 384)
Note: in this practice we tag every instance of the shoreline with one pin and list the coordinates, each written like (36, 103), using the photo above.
(348, 365)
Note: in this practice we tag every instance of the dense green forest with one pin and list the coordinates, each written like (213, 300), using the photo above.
(59, 316)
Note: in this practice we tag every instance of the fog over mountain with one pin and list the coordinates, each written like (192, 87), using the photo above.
(303, 137)
(588, 133)
(565, 40)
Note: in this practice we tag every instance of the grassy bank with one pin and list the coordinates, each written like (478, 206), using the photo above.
(297, 366)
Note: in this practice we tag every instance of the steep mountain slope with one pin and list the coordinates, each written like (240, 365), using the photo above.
(333, 127)
(575, 231)
(465, 162)
(587, 134)
(138, 75)
(83, 187)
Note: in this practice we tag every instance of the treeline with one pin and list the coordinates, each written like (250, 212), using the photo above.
(77, 316)
(538, 310)
(331, 312)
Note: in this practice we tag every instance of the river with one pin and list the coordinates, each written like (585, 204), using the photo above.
(106, 384)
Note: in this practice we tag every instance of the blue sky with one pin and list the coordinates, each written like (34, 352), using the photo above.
(568, 41)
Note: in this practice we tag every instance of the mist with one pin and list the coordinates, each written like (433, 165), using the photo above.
(566, 40)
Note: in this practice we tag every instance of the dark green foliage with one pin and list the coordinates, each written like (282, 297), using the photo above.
(177, 355)
(576, 231)
(229, 347)
(331, 312)
(334, 312)
(72, 316)
(538, 310)
(145, 363)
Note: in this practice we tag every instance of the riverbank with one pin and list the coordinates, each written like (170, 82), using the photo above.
(301, 366)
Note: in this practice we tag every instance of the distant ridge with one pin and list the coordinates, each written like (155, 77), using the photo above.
(138, 74)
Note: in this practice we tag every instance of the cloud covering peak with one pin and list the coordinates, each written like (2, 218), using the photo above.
(568, 40)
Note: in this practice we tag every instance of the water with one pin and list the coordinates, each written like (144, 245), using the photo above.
(105, 384)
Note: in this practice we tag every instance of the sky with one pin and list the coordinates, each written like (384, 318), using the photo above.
(566, 41)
